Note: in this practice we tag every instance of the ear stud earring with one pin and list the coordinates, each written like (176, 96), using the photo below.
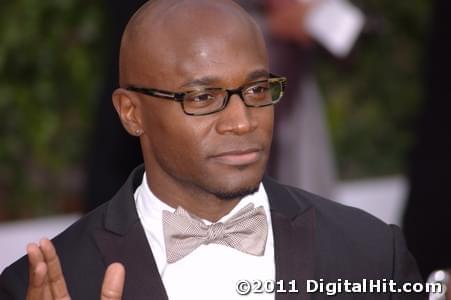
(138, 132)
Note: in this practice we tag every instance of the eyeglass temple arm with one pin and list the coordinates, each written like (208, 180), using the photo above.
(157, 93)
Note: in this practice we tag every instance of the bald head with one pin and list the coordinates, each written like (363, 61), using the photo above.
(167, 36)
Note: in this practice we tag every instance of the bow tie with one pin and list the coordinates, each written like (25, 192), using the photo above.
(245, 231)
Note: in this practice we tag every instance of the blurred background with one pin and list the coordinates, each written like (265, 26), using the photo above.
(383, 130)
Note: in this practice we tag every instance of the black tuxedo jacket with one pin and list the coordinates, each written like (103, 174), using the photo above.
(313, 238)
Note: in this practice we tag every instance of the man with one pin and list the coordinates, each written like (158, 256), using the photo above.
(196, 89)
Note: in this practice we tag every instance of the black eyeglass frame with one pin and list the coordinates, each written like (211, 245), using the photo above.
(179, 96)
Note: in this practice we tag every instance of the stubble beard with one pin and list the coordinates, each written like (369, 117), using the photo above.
(238, 194)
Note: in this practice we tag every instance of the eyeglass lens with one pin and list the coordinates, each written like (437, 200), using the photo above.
(211, 100)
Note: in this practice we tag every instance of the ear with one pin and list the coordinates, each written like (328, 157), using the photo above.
(127, 107)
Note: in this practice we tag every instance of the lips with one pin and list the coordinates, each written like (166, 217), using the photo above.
(238, 157)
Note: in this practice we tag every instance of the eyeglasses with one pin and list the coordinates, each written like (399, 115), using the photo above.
(205, 101)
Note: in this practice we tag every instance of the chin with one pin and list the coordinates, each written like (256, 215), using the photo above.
(228, 182)
(228, 195)
(236, 185)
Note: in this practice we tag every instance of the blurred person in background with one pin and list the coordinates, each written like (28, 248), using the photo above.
(302, 153)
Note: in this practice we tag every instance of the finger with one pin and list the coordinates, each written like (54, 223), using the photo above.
(35, 259)
(55, 273)
(113, 282)
(37, 273)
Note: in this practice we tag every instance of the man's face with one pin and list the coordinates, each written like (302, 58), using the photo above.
(225, 153)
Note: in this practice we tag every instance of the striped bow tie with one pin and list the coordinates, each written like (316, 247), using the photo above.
(245, 231)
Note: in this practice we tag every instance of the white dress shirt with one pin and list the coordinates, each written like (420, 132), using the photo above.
(210, 271)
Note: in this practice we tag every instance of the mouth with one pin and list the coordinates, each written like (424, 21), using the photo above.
(238, 157)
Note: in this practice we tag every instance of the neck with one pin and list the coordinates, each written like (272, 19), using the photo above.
(193, 199)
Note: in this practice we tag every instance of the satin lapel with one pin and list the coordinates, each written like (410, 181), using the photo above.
(293, 250)
(293, 223)
(123, 240)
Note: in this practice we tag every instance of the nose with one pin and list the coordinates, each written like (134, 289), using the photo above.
(236, 118)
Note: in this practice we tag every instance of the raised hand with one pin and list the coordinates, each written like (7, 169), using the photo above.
(46, 279)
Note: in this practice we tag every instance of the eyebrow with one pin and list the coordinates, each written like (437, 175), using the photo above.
(211, 80)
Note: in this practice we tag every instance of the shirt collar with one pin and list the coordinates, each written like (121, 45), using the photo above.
(150, 211)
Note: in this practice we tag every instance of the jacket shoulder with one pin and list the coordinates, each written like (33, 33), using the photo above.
(336, 214)
(350, 241)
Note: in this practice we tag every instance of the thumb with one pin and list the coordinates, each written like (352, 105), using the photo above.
(113, 282)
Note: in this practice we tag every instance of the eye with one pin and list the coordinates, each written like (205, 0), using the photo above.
(258, 92)
(202, 97)
(259, 89)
